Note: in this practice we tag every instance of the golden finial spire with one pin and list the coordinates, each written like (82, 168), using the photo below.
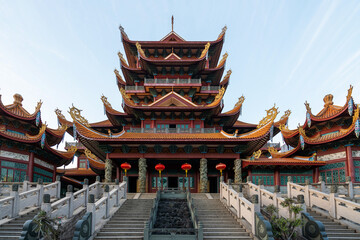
(172, 23)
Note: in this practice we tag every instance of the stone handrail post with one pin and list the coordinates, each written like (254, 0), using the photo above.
(117, 197)
(70, 195)
(307, 193)
(86, 187)
(107, 202)
(255, 208)
(228, 196)
(98, 187)
(260, 186)
(58, 187)
(91, 208)
(25, 184)
(40, 186)
(350, 187)
(322, 184)
(277, 195)
(289, 187)
(301, 201)
(46, 205)
(16, 202)
(332, 195)
(125, 189)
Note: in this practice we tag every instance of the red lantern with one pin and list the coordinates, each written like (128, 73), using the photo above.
(126, 166)
(220, 167)
(160, 167)
(186, 167)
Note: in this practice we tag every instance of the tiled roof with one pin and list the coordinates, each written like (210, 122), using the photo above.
(16, 109)
(76, 172)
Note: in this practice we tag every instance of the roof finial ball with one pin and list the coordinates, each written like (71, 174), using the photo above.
(172, 23)
(18, 99)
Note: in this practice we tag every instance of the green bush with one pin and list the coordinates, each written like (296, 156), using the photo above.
(45, 226)
(285, 229)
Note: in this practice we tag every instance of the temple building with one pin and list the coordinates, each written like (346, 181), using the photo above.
(331, 136)
(172, 93)
(26, 144)
(326, 145)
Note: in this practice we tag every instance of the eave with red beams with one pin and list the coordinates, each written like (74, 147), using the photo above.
(282, 162)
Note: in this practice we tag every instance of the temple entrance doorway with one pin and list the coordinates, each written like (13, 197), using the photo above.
(213, 184)
(173, 182)
(132, 184)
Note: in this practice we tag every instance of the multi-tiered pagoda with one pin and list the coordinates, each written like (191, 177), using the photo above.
(172, 93)
(26, 144)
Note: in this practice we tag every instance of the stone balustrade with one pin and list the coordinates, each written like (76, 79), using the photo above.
(337, 207)
(244, 209)
(98, 212)
(5, 187)
(267, 198)
(17, 202)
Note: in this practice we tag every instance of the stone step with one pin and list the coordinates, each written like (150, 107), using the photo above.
(123, 225)
(6, 237)
(125, 233)
(10, 233)
(127, 229)
(227, 237)
(120, 237)
(227, 229)
(336, 235)
(228, 234)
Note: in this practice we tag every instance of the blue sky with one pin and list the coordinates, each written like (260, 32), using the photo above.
(282, 52)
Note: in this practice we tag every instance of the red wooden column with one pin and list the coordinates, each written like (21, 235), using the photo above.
(250, 174)
(350, 163)
(118, 172)
(277, 177)
(54, 174)
(316, 175)
(30, 171)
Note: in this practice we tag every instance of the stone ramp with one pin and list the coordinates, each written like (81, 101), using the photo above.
(128, 222)
(218, 222)
(12, 229)
(334, 229)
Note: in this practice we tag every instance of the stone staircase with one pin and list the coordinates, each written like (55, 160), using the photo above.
(13, 228)
(334, 229)
(128, 222)
(218, 222)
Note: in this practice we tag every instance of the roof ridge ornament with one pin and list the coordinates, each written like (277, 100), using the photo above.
(122, 30)
(328, 100)
(240, 101)
(18, 99)
(256, 154)
(72, 149)
(124, 94)
(38, 106)
(272, 150)
(270, 116)
(349, 93)
(220, 94)
(140, 51)
(223, 31)
(122, 59)
(75, 113)
(223, 59)
(90, 155)
(59, 114)
(307, 105)
(105, 101)
(206, 49)
(285, 117)
(172, 23)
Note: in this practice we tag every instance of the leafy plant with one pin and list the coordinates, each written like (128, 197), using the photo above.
(45, 226)
(285, 229)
